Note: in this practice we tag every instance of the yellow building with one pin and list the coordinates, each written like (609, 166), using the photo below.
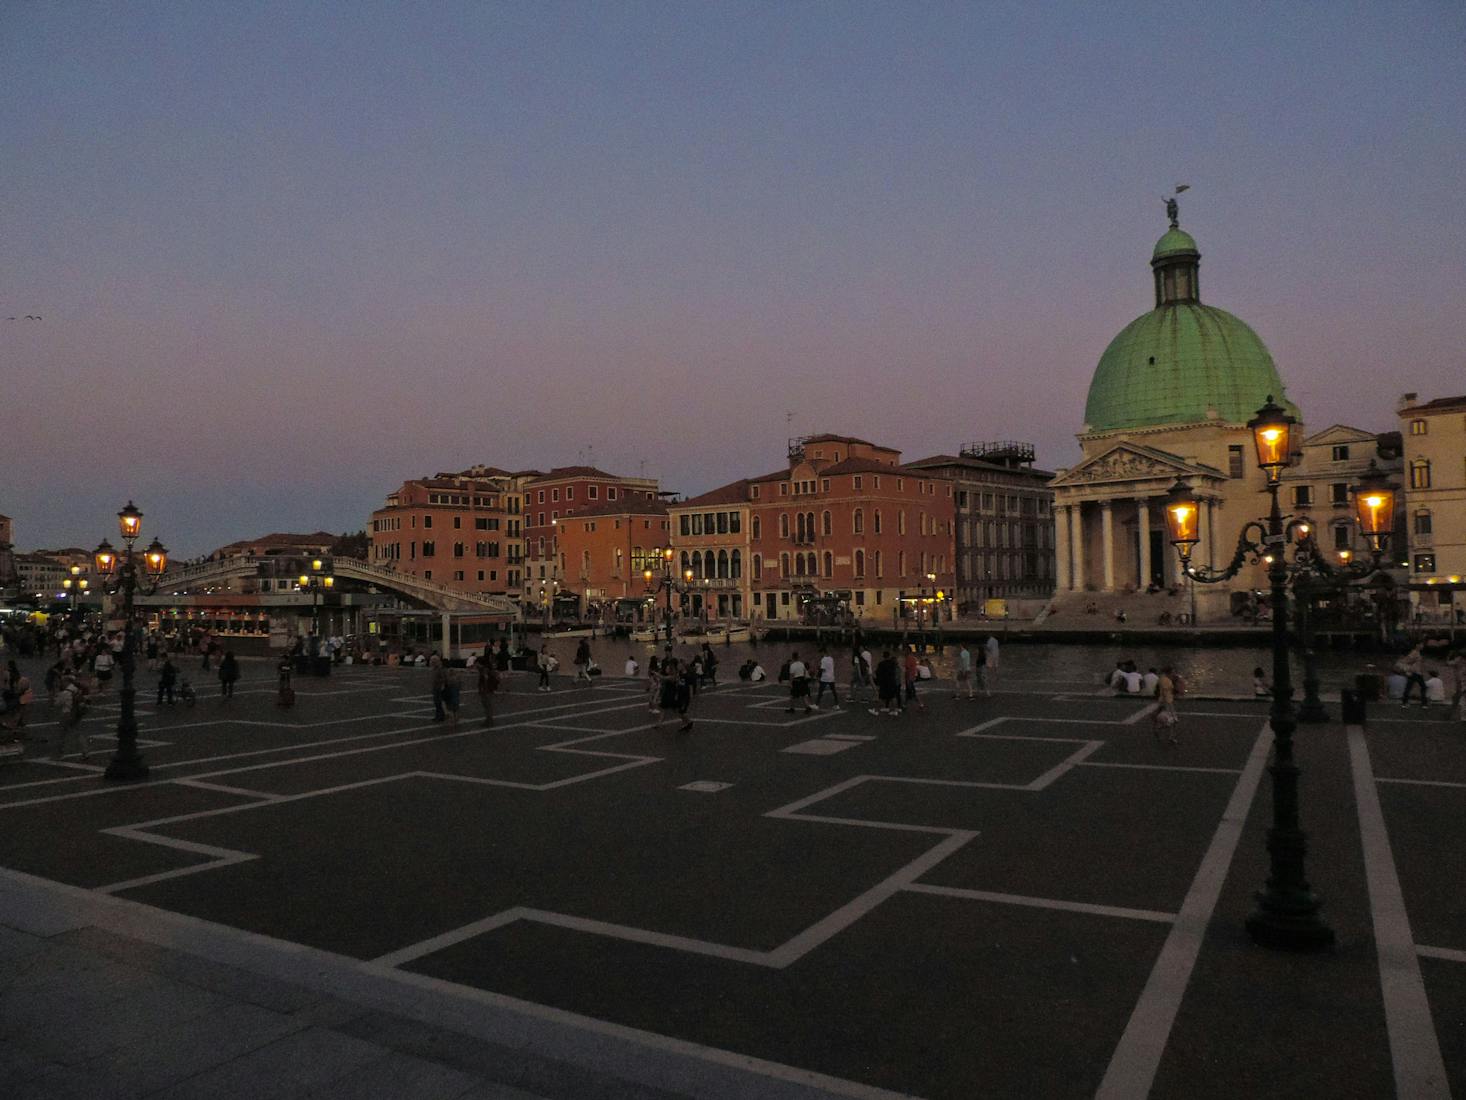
(1434, 434)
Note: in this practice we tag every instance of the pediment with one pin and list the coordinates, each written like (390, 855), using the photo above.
(1126, 462)
(1339, 433)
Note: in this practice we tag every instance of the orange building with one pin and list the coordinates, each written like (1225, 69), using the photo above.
(460, 529)
(844, 528)
(605, 548)
(550, 497)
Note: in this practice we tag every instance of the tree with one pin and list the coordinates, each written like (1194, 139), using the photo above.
(351, 545)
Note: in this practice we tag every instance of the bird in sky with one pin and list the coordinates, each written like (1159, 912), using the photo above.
(32, 316)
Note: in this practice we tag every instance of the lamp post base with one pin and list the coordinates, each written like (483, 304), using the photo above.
(1289, 931)
(126, 769)
(1312, 712)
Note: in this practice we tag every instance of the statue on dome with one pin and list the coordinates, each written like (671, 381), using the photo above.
(1173, 211)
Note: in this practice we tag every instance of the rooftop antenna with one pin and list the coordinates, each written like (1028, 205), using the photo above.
(590, 451)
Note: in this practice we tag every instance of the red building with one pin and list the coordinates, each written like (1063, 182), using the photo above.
(605, 548)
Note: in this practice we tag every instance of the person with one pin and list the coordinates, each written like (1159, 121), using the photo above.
(73, 707)
(23, 696)
(1456, 676)
(438, 680)
(167, 678)
(1260, 687)
(1435, 687)
(888, 685)
(991, 645)
(152, 652)
(186, 693)
(695, 665)
(964, 671)
(745, 670)
(102, 665)
(757, 674)
(582, 663)
(285, 693)
(1165, 719)
(668, 681)
(653, 682)
(451, 694)
(228, 673)
(488, 683)
(1395, 684)
(1150, 682)
(912, 673)
(501, 656)
(859, 673)
(686, 689)
(709, 665)
(542, 663)
(798, 685)
(632, 670)
(827, 679)
(1410, 666)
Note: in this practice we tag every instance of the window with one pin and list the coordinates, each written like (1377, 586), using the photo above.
(826, 527)
(427, 574)
(783, 488)
(1234, 460)
(427, 521)
(735, 565)
(697, 523)
(429, 548)
(458, 551)
(825, 485)
(1418, 427)
(610, 492)
(857, 523)
(860, 563)
(570, 492)
(1341, 537)
(457, 523)
(1420, 474)
(758, 567)
(592, 491)
(480, 574)
(758, 527)
(900, 563)
(684, 524)
(481, 523)
(722, 565)
(542, 497)
(901, 525)
(880, 572)
(722, 523)
(735, 522)
(855, 481)
(1422, 522)
(1425, 563)
(1302, 496)
(829, 564)
(784, 565)
(753, 492)
(1341, 453)
(1339, 492)
(783, 525)
(458, 574)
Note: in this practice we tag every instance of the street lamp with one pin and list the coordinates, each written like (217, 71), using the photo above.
(318, 579)
(662, 579)
(127, 764)
(76, 587)
(1287, 910)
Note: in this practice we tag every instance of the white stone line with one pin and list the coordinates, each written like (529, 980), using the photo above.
(1064, 766)
(246, 792)
(1410, 782)
(1044, 903)
(1158, 767)
(1414, 1048)
(642, 1057)
(62, 762)
(1133, 1065)
(973, 731)
(1144, 712)
(1449, 954)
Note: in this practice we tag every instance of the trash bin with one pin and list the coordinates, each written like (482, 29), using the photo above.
(1368, 685)
(1353, 707)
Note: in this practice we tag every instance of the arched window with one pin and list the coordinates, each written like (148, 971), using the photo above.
(783, 525)
(758, 566)
(825, 523)
(758, 528)
(901, 522)
(1422, 521)
(735, 565)
(860, 563)
(879, 571)
(585, 563)
(697, 563)
(784, 565)
(829, 561)
(723, 564)
(799, 565)
(857, 523)
(1420, 474)
(878, 521)
(901, 563)
(809, 525)
(799, 527)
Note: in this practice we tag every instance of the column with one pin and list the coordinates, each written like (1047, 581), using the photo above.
(1107, 533)
(1076, 544)
(1062, 547)
(1208, 532)
(1142, 526)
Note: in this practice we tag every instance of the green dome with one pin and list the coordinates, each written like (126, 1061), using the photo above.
(1173, 364)
(1175, 240)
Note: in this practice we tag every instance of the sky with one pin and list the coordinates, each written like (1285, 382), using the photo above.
(290, 255)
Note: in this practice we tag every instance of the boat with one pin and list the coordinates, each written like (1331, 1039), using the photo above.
(719, 634)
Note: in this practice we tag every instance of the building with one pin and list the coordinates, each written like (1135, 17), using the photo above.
(711, 534)
(1170, 398)
(8, 576)
(1434, 437)
(843, 529)
(1005, 526)
(461, 529)
(605, 547)
(279, 542)
(549, 497)
(40, 576)
(1328, 464)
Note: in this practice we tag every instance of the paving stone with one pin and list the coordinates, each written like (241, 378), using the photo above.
(397, 1077)
(287, 1067)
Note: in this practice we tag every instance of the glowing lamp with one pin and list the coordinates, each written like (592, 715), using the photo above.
(1345, 555)
(304, 580)
(155, 557)
(75, 570)
(130, 521)
(687, 575)
(105, 559)
(1272, 429)
(1182, 515)
(66, 583)
(646, 575)
(316, 564)
(1374, 507)
(329, 582)
(667, 553)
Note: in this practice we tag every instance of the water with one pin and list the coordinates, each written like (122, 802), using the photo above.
(1221, 669)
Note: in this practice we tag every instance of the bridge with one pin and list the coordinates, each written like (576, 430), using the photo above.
(441, 597)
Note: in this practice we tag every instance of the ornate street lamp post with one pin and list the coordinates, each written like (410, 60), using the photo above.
(76, 587)
(1287, 914)
(662, 581)
(318, 579)
(127, 764)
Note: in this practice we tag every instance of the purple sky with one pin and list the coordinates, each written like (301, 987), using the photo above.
(288, 255)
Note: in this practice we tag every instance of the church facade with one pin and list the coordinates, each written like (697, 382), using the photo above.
(1170, 398)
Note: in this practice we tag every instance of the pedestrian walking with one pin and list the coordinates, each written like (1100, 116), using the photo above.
(102, 665)
(859, 673)
(583, 663)
(709, 666)
(686, 689)
(827, 679)
(888, 685)
(542, 663)
(798, 685)
(991, 647)
(228, 674)
(668, 686)
(437, 681)
(964, 670)
(285, 693)
(488, 683)
(451, 694)
(167, 680)
(912, 670)
(73, 708)
(1410, 666)
(980, 673)
(1165, 719)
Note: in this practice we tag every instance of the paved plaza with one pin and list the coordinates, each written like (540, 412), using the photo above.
(1024, 895)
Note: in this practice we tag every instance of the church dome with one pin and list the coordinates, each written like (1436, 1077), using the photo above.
(1182, 362)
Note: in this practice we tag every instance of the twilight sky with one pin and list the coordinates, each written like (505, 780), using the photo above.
(288, 255)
